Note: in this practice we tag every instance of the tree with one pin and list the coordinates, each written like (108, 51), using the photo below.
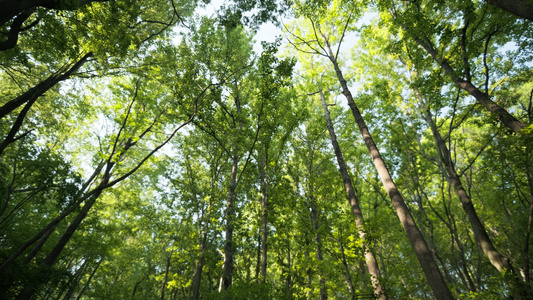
(322, 46)
(518, 7)
(373, 269)
(478, 27)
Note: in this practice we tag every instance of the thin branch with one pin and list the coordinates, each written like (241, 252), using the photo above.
(461, 172)
(344, 33)
(307, 43)
(316, 36)
(463, 49)
(486, 66)
(134, 169)
(128, 111)
(249, 154)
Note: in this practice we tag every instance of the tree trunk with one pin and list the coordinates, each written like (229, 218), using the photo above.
(30, 287)
(500, 262)
(11, 8)
(421, 249)
(164, 283)
(318, 249)
(89, 280)
(521, 8)
(483, 98)
(230, 216)
(42, 235)
(372, 266)
(44, 86)
(264, 203)
(197, 278)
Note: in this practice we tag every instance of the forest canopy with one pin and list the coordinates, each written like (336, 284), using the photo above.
(163, 149)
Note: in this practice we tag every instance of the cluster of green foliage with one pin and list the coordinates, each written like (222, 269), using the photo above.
(148, 152)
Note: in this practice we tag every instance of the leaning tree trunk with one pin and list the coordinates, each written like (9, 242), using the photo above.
(30, 287)
(38, 90)
(483, 98)
(429, 266)
(372, 265)
(499, 261)
(521, 8)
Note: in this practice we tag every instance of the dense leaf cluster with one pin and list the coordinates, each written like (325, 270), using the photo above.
(376, 149)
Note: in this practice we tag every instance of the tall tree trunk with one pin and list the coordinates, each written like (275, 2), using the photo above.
(230, 216)
(30, 287)
(264, 203)
(318, 249)
(165, 279)
(89, 280)
(499, 261)
(371, 264)
(197, 278)
(420, 247)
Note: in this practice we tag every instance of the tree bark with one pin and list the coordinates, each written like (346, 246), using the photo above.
(521, 8)
(264, 219)
(499, 261)
(319, 257)
(230, 216)
(44, 86)
(197, 278)
(420, 247)
(11, 8)
(483, 98)
(164, 283)
(372, 266)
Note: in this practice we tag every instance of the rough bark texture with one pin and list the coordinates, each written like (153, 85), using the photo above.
(521, 8)
(372, 266)
(420, 247)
